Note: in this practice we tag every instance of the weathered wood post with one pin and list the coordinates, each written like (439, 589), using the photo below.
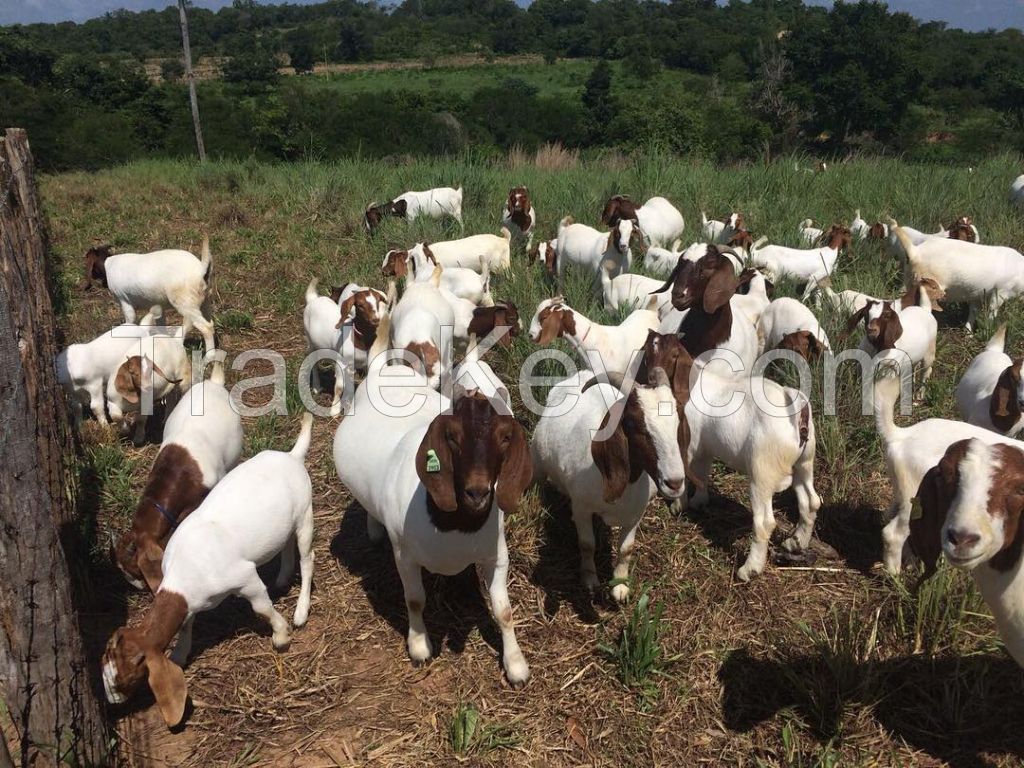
(50, 699)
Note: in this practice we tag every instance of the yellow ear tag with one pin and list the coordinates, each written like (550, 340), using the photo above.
(433, 463)
(916, 512)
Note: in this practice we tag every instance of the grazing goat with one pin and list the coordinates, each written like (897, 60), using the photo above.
(165, 279)
(963, 229)
(854, 301)
(439, 485)
(983, 275)
(202, 442)
(859, 228)
(991, 394)
(260, 509)
(909, 453)
(661, 261)
(420, 325)
(139, 381)
(614, 345)
(788, 324)
(807, 266)
(463, 282)
(432, 204)
(632, 291)
(658, 221)
(610, 455)
(546, 254)
(518, 215)
(83, 369)
(585, 247)
(970, 511)
(469, 252)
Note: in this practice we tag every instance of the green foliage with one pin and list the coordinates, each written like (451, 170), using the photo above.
(172, 70)
(469, 735)
(637, 655)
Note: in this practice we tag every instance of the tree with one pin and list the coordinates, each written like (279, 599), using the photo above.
(301, 50)
(597, 100)
(193, 100)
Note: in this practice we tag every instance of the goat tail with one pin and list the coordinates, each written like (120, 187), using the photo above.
(998, 341)
(703, 219)
(301, 446)
(311, 292)
(217, 372)
(506, 233)
(566, 222)
(206, 259)
(887, 392)
(906, 244)
(803, 417)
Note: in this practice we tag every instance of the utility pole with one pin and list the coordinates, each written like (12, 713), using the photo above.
(190, 75)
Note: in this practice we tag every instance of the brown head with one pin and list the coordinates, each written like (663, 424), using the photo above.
(95, 266)
(882, 324)
(518, 200)
(375, 214)
(923, 285)
(504, 314)
(337, 290)
(707, 285)
(837, 236)
(618, 207)
(741, 238)
(547, 253)
(396, 264)
(135, 655)
(554, 319)
(962, 229)
(135, 373)
(1007, 401)
(804, 343)
(878, 231)
(424, 355)
(969, 508)
(365, 307)
(471, 459)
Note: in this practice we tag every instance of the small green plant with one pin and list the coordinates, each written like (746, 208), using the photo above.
(468, 736)
(235, 320)
(638, 655)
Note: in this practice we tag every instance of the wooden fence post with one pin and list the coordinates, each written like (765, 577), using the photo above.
(51, 698)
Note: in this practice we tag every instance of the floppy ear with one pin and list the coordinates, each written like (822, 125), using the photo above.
(672, 277)
(150, 559)
(400, 207)
(128, 380)
(1003, 408)
(435, 469)
(550, 328)
(167, 682)
(346, 307)
(927, 518)
(612, 454)
(893, 330)
(814, 345)
(720, 287)
(516, 469)
(611, 239)
(856, 317)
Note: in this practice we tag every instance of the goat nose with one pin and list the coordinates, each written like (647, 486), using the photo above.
(477, 496)
(675, 484)
(960, 538)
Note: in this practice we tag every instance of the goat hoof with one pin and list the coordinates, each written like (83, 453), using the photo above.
(519, 678)
(281, 644)
(620, 593)
(746, 573)
(792, 546)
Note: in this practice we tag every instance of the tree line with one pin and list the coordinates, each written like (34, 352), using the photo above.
(766, 76)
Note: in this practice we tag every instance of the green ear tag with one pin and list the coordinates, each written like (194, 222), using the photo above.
(433, 463)
(915, 509)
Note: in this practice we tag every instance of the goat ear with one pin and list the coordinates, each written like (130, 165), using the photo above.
(149, 558)
(550, 328)
(611, 455)
(167, 682)
(346, 307)
(672, 277)
(720, 287)
(128, 380)
(434, 465)
(400, 207)
(516, 469)
(1003, 409)
(856, 317)
(927, 517)
(611, 239)
(893, 331)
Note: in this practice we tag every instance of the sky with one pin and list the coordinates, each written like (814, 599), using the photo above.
(967, 14)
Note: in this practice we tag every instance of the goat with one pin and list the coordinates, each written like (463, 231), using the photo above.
(807, 266)
(141, 380)
(658, 221)
(546, 254)
(461, 281)
(983, 275)
(810, 235)
(202, 441)
(614, 344)
(519, 216)
(719, 232)
(788, 324)
(991, 394)
(258, 510)
(661, 261)
(858, 227)
(970, 511)
(630, 290)
(587, 248)
(963, 229)
(469, 252)
(909, 453)
(168, 278)
(899, 335)
(440, 486)
(432, 204)
(419, 325)
(854, 301)
(611, 476)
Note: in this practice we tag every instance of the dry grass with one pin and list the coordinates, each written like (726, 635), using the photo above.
(831, 665)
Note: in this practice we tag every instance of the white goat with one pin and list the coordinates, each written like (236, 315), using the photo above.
(519, 215)
(612, 476)
(260, 509)
(788, 324)
(469, 252)
(858, 227)
(432, 204)
(164, 279)
(719, 232)
(135, 383)
(588, 249)
(420, 325)
(809, 234)
(1017, 191)
(808, 266)
(633, 291)
(991, 394)
(658, 220)
(903, 336)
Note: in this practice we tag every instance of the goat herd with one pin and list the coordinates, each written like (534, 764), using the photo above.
(433, 453)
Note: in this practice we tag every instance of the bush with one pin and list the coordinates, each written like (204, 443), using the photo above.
(172, 70)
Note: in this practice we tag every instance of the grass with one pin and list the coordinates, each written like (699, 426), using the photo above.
(836, 666)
